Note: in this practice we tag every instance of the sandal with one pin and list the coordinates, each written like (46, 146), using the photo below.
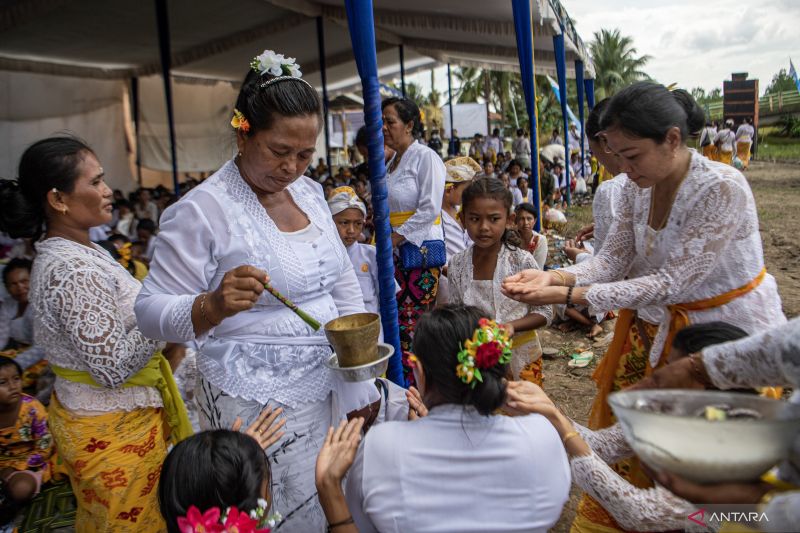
(580, 360)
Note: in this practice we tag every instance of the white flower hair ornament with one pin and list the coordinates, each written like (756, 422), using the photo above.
(277, 65)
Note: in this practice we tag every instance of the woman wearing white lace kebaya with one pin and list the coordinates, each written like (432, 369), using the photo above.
(258, 219)
(686, 238)
(109, 401)
(633, 508)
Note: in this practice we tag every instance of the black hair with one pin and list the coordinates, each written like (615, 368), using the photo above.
(291, 97)
(514, 162)
(520, 131)
(528, 208)
(492, 188)
(648, 110)
(109, 247)
(123, 203)
(496, 131)
(407, 110)
(51, 163)
(147, 225)
(522, 178)
(7, 361)
(361, 136)
(438, 337)
(17, 263)
(695, 337)
(593, 120)
(219, 468)
(119, 237)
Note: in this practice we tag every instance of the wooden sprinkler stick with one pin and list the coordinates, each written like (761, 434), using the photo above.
(291, 305)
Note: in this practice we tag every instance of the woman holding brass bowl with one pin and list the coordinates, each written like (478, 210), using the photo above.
(415, 178)
(258, 220)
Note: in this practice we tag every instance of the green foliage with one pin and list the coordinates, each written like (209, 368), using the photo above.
(780, 82)
(789, 126)
(616, 61)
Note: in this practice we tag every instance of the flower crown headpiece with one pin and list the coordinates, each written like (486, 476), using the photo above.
(231, 521)
(281, 67)
(490, 345)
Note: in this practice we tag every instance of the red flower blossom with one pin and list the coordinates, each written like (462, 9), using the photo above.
(488, 354)
(238, 522)
(195, 522)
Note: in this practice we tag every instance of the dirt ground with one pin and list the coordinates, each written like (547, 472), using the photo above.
(776, 188)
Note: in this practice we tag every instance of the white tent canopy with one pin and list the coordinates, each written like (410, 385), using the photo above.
(213, 41)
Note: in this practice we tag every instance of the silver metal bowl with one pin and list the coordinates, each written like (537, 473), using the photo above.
(364, 372)
(664, 430)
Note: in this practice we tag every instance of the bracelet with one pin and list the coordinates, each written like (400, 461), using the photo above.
(569, 297)
(349, 520)
(203, 310)
(561, 276)
(569, 435)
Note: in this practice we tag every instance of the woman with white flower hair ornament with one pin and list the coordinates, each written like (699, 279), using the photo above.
(254, 232)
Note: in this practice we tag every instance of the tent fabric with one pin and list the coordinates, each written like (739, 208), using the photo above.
(214, 38)
(34, 107)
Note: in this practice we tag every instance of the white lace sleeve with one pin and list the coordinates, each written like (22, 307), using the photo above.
(608, 443)
(633, 508)
(614, 259)
(528, 262)
(770, 358)
(455, 274)
(706, 232)
(85, 301)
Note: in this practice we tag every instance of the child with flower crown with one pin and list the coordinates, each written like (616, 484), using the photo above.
(463, 467)
(475, 275)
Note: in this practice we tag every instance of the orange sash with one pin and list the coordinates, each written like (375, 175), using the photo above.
(679, 313)
(600, 416)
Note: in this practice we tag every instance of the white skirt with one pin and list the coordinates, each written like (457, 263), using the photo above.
(292, 459)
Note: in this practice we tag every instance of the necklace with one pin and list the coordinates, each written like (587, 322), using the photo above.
(652, 228)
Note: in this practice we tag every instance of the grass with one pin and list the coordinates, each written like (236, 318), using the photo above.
(774, 148)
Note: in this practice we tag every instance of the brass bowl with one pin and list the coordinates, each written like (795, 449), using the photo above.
(365, 372)
(354, 338)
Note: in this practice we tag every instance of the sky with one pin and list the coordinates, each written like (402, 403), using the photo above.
(699, 43)
(694, 43)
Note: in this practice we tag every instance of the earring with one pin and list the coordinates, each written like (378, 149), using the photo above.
(64, 211)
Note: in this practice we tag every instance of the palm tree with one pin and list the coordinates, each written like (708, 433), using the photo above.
(616, 62)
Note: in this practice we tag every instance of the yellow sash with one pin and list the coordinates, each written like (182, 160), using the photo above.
(156, 373)
(398, 219)
(523, 338)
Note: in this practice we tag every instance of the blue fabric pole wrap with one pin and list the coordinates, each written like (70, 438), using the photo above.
(561, 70)
(579, 82)
(589, 86)
(362, 35)
(524, 33)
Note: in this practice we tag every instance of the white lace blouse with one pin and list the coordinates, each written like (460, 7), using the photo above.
(635, 509)
(709, 246)
(486, 295)
(83, 318)
(417, 184)
(266, 353)
(604, 208)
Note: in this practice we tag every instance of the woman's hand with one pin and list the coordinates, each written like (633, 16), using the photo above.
(585, 233)
(337, 453)
(510, 330)
(536, 295)
(715, 493)
(675, 375)
(524, 398)
(525, 281)
(416, 407)
(239, 291)
(262, 429)
(397, 239)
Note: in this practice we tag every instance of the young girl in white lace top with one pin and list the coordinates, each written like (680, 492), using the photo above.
(476, 273)
(83, 318)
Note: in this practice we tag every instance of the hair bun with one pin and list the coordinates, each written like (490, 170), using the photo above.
(695, 116)
(18, 217)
